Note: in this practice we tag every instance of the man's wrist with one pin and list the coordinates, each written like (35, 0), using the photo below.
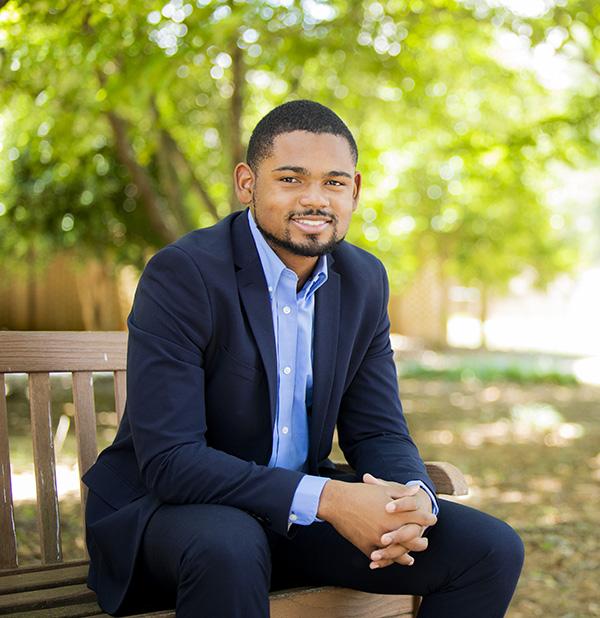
(329, 499)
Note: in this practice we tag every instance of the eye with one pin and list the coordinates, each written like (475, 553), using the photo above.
(336, 183)
(288, 179)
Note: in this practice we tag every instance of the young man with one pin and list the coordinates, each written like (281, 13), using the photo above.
(248, 343)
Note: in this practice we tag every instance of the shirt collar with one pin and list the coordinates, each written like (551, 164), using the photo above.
(273, 267)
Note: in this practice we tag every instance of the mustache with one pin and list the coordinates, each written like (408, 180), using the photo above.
(315, 212)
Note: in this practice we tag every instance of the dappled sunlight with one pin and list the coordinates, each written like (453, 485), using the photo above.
(443, 436)
(492, 494)
(67, 482)
(537, 423)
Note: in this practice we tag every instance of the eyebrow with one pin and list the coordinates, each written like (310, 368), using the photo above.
(302, 170)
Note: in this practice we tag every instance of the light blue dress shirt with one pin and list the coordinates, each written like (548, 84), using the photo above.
(293, 315)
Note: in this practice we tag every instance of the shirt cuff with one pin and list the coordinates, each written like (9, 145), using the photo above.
(434, 505)
(306, 500)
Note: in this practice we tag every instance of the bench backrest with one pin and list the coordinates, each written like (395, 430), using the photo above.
(38, 354)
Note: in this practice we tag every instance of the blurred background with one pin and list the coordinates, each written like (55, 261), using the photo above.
(478, 125)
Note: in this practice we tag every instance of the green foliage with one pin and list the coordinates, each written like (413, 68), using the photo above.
(120, 122)
(487, 373)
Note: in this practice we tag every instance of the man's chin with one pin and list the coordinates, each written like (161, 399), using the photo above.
(313, 248)
(310, 246)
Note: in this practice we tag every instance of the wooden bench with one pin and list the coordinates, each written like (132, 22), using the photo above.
(57, 588)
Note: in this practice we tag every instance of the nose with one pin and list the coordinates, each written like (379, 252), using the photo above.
(314, 197)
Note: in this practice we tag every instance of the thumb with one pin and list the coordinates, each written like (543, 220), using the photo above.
(369, 479)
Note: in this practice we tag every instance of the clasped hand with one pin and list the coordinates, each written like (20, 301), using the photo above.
(385, 520)
(396, 544)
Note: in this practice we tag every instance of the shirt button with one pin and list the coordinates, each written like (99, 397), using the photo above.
(287, 370)
(286, 310)
(293, 517)
(270, 288)
(284, 429)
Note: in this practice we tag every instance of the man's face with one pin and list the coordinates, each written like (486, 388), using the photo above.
(304, 193)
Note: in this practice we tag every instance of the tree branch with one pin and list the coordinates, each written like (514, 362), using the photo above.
(168, 175)
(196, 183)
(170, 181)
(141, 178)
(237, 104)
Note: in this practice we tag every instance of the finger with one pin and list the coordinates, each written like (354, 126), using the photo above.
(405, 560)
(419, 517)
(419, 544)
(397, 553)
(422, 518)
(397, 490)
(406, 503)
(405, 533)
(373, 480)
(432, 520)
(381, 564)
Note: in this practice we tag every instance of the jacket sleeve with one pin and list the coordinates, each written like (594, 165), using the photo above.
(170, 326)
(372, 429)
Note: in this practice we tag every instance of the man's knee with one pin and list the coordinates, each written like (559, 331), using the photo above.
(476, 539)
(506, 553)
(235, 549)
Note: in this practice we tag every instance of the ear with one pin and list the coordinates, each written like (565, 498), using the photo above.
(243, 181)
(356, 190)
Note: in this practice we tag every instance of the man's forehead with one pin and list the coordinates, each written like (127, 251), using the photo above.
(312, 151)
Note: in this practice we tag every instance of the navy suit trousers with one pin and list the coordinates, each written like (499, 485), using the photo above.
(217, 561)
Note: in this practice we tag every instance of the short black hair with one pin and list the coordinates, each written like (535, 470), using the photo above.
(300, 115)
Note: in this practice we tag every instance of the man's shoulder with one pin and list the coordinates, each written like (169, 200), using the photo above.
(207, 247)
(352, 258)
(208, 240)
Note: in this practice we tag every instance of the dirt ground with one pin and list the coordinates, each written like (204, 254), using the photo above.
(531, 454)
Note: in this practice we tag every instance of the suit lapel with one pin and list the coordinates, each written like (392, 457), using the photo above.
(255, 298)
(325, 345)
(254, 295)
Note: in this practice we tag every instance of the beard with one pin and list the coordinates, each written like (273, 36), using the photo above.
(312, 246)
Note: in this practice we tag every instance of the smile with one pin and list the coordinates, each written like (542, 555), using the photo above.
(311, 225)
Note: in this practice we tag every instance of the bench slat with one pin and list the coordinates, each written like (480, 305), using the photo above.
(8, 544)
(46, 598)
(85, 426)
(328, 602)
(22, 351)
(34, 568)
(43, 578)
(45, 468)
(69, 611)
(120, 393)
(161, 614)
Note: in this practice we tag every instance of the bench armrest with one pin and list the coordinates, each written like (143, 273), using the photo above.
(448, 479)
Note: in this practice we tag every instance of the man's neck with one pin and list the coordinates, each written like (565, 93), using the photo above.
(300, 264)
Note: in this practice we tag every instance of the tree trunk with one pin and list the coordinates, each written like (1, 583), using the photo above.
(170, 182)
(140, 177)
(195, 182)
(237, 103)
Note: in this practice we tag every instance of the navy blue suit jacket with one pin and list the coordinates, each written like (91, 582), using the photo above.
(201, 394)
